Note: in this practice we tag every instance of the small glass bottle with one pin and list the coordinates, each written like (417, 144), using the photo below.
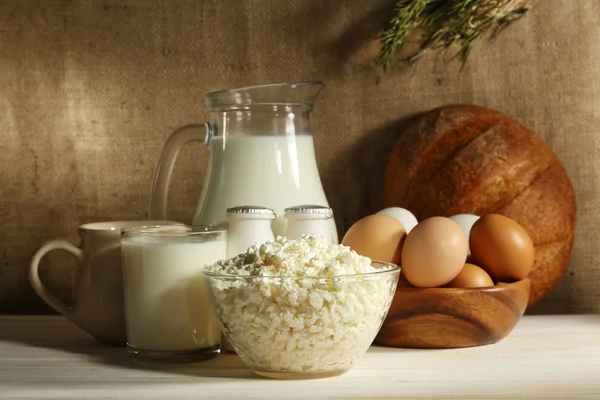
(310, 220)
(248, 225)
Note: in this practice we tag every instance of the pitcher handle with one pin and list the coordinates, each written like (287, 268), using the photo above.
(166, 162)
(34, 277)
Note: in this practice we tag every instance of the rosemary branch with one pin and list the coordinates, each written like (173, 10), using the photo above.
(444, 23)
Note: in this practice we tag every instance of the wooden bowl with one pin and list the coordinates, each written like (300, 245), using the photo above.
(442, 318)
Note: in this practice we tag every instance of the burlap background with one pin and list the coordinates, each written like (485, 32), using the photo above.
(89, 91)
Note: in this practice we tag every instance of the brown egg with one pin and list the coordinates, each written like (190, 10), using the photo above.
(434, 252)
(379, 237)
(502, 247)
(471, 276)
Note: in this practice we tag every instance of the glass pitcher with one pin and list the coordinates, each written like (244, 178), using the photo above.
(261, 153)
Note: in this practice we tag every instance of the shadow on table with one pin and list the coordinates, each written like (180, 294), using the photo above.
(226, 365)
(79, 343)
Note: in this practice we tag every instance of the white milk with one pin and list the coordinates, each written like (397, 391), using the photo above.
(166, 302)
(268, 171)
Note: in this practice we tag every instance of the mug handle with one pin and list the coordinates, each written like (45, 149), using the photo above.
(34, 277)
(162, 176)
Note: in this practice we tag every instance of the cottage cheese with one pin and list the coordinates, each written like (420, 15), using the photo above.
(316, 311)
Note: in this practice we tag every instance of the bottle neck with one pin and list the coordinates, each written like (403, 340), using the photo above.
(255, 221)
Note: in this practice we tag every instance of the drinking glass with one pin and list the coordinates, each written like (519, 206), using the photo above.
(169, 318)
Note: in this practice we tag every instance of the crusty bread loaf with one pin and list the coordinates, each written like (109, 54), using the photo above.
(470, 159)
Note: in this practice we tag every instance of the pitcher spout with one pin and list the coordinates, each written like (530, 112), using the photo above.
(293, 94)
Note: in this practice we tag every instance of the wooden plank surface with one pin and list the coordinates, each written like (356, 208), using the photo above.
(545, 357)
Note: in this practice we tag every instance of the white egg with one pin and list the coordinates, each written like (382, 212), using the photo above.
(465, 221)
(405, 217)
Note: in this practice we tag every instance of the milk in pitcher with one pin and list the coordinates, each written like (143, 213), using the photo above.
(262, 170)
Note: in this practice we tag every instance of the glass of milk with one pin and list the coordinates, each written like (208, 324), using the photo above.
(168, 314)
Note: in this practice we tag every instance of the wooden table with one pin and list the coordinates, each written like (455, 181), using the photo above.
(545, 357)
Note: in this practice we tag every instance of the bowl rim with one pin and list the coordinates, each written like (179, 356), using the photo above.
(395, 269)
(485, 289)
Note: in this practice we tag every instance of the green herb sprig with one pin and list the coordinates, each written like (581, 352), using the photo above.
(444, 23)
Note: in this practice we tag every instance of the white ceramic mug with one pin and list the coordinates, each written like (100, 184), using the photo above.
(98, 306)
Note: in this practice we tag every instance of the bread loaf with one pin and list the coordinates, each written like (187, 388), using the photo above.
(474, 160)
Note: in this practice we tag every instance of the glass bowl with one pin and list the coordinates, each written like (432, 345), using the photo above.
(297, 327)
